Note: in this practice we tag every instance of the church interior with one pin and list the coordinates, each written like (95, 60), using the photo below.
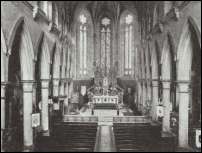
(101, 76)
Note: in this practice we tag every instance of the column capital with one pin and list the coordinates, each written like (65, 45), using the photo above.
(27, 85)
(56, 82)
(45, 83)
(3, 86)
(166, 84)
(155, 83)
(184, 87)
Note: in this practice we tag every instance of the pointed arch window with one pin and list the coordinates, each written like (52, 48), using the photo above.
(83, 44)
(128, 30)
(105, 43)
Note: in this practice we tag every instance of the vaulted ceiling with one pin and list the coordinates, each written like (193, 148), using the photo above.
(113, 8)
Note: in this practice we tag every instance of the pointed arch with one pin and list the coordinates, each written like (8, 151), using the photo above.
(166, 60)
(196, 28)
(26, 50)
(189, 73)
(56, 62)
(84, 30)
(127, 31)
(3, 58)
(43, 57)
(155, 61)
(185, 54)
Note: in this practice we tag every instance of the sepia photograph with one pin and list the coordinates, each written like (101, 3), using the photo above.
(100, 76)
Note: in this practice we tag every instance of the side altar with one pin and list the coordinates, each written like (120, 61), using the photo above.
(105, 89)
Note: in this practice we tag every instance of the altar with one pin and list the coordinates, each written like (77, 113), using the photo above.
(105, 99)
(105, 89)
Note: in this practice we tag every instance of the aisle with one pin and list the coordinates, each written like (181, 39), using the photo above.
(105, 141)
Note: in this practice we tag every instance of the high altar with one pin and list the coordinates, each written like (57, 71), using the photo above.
(105, 89)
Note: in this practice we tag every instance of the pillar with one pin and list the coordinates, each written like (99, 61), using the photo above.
(66, 89)
(71, 90)
(27, 115)
(144, 98)
(44, 111)
(167, 106)
(183, 115)
(149, 97)
(154, 99)
(66, 100)
(55, 87)
(139, 96)
(62, 88)
(2, 113)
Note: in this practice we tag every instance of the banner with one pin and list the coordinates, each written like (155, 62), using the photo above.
(198, 138)
(36, 120)
(83, 90)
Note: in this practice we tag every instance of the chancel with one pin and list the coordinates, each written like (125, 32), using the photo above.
(100, 76)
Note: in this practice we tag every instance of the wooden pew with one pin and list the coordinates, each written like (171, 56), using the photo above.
(71, 136)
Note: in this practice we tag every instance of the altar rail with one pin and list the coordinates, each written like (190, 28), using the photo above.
(131, 119)
(74, 118)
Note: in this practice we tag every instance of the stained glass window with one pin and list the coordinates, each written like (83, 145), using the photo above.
(83, 44)
(105, 44)
(128, 29)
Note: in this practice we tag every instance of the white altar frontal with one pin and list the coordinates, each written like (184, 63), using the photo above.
(105, 99)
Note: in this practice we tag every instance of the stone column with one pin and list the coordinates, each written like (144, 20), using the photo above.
(3, 85)
(71, 90)
(44, 104)
(139, 97)
(144, 98)
(62, 88)
(149, 97)
(55, 87)
(66, 100)
(66, 89)
(183, 114)
(27, 115)
(154, 99)
(167, 106)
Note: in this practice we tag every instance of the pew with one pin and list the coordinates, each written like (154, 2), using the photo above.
(135, 134)
(75, 135)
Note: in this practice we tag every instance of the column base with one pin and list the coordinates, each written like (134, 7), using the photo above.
(46, 133)
(2, 133)
(28, 148)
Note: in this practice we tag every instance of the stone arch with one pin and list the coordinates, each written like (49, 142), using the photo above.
(19, 91)
(166, 79)
(3, 58)
(43, 57)
(42, 67)
(196, 28)
(184, 58)
(26, 48)
(42, 79)
(56, 62)
(155, 78)
(155, 61)
(189, 81)
(166, 60)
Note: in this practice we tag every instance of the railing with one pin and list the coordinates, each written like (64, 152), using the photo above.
(131, 119)
(73, 118)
